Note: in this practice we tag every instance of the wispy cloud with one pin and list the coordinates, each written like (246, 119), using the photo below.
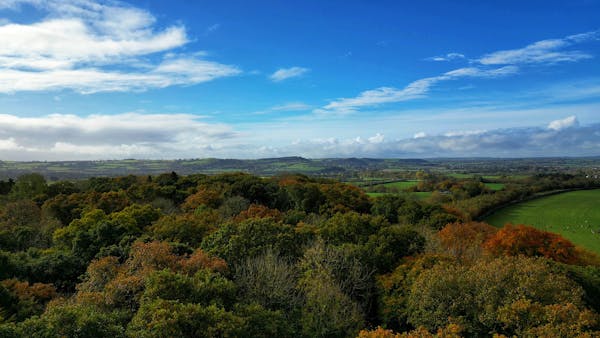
(506, 63)
(291, 106)
(546, 51)
(288, 73)
(447, 57)
(286, 107)
(181, 71)
(90, 47)
(414, 90)
(212, 28)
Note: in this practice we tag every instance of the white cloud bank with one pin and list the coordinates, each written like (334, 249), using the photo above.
(71, 137)
(93, 47)
(158, 136)
(563, 137)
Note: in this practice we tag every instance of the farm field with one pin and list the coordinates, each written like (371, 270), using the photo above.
(495, 186)
(420, 195)
(575, 215)
(401, 184)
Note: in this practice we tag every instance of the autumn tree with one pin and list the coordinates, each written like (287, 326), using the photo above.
(529, 241)
(464, 240)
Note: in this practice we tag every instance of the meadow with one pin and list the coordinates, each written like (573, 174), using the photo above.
(575, 215)
(419, 195)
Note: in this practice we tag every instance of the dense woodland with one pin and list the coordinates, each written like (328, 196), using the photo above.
(237, 255)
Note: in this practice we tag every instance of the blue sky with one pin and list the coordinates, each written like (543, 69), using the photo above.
(83, 79)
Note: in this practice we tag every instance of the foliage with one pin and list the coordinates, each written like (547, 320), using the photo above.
(287, 256)
(464, 240)
(523, 240)
(235, 242)
(269, 280)
(473, 296)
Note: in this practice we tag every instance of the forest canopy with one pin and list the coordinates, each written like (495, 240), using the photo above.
(237, 255)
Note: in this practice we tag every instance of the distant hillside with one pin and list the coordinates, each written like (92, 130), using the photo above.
(266, 167)
(329, 167)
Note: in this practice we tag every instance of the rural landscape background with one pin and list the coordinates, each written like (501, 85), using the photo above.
(353, 168)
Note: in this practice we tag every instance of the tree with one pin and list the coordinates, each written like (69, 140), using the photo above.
(464, 240)
(250, 238)
(525, 318)
(472, 296)
(204, 287)
(29, 186)
(529, 241)
(393, 289)
(387, 206)
(171, 318)
(270, 281)
(65, 320)
(390, 244)
(27, 299)
(185, 228)
(328, 312)
(351, 227)
(339, 268)
(209, 196)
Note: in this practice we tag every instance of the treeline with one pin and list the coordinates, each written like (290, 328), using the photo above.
(236, 255)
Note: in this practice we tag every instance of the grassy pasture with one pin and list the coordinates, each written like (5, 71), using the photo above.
(495, 186)
(575, 215)
(487, 177)
(401, 185)
(419, 195)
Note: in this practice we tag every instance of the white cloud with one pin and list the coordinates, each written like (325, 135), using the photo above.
(414, 90)
(546, 51)
(447, 57)
(93, 80)
(69, 137)
(110, 136)
(90, 47)
(511, 142)
(377, 138)
(286, 107)
(567, 122)
(464, 133)
(213, 28)
(291, 106)
(287, 73)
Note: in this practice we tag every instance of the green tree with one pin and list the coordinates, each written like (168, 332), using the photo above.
(250, 238)
(171, 318)
(472, 296)
(29, 186)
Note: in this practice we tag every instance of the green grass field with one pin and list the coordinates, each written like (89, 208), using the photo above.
(575, 215)
(401, 185)
(487, 177)
(420, 195)
(495, 186)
